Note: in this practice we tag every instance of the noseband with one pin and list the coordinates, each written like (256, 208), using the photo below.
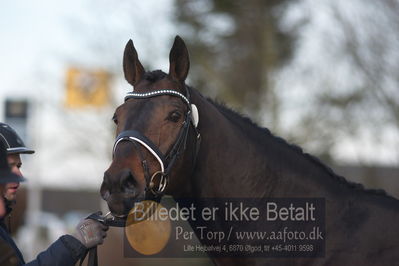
(166, 161)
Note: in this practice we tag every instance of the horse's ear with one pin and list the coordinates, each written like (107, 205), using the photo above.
(132, 67)
(179, 62)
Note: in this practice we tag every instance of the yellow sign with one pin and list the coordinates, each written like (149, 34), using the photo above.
(86, 88)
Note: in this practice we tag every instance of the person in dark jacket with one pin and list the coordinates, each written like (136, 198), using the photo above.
(7, 254)
(68, 249)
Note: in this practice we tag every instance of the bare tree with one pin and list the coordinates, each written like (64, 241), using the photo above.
(236, 47)
(346, 65)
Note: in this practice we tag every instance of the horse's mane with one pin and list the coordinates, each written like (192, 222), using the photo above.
(259, 134)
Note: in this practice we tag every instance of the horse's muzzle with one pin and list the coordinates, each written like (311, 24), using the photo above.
(122, 194)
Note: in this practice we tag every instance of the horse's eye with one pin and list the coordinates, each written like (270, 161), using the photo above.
(174, 116)
(115, 119)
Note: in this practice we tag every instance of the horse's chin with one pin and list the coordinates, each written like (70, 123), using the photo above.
(120, 204)
(118, 210)
(120, 216)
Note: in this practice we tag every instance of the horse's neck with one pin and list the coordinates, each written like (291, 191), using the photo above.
(235, 163)
(230, 164)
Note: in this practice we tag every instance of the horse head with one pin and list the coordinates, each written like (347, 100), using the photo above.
(154, 126)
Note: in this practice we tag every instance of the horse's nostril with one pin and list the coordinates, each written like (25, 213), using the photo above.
(104, 191)
(105, 195)
(128, 182)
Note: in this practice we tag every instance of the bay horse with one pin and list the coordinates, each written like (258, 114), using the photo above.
(172, 140)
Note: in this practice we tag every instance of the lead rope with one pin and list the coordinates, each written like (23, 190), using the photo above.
(92, 252)
(93, 258)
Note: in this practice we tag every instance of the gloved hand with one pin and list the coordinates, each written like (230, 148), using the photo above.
(90, 232)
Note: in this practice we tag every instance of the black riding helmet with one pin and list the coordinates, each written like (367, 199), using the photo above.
(6, 176)
(12, 141)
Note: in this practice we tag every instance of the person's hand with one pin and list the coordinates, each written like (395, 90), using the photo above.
(90, 232)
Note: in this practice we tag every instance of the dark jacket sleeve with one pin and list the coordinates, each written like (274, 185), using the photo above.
(8, 256)
(66, 251)
(9, 242)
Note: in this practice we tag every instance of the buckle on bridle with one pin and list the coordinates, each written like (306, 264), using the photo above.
(163, 182)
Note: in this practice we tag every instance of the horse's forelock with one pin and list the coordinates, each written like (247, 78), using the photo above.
(155, 75)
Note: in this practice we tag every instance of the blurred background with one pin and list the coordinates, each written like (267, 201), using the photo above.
(321, 74)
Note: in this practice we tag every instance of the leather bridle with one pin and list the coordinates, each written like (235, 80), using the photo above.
(152, 192)
(166, 161)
